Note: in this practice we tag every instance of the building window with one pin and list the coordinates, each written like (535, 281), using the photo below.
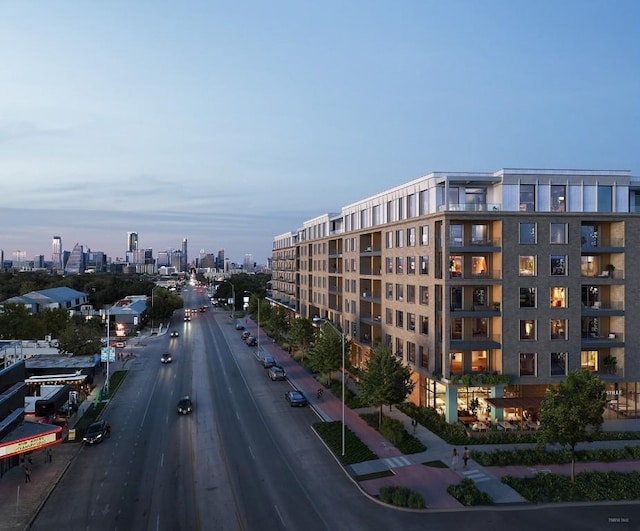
(558, 265)
(558, 197)
(388, 264)
(399, 292)
(527, 364)
(424, 202)
(559, 363)
(455, 362)
(527, 329)
(411, 293)
(424, 356)
(558, 233)
(455, 265)
(424, 235)
(424, 325)
(479, 234)
(527, 266)
(399, 265)
(527, 197)
(424, 295)
(456, 328)
(479, 266)
(411, 321)
(558, 328)
(480, 327)
(558, 297)
(478, 361)
(399, 318)
(411, 237)
(605, 198)
(589, 360)
(480, 297)
(527, 233)
(389, 290)
(456, 235)
(388, 239)
(399, 238)
(411, 352)
(527, 297)
(399, 351)
(411, 265)
(589, 266)
(456, 298)
(424, 265)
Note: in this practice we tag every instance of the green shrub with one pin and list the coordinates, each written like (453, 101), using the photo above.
(401, 497)
(467, 493)
(393, 430)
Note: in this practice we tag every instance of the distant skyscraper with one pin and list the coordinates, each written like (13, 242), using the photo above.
(185, 260)
(56, 253)
(220, 259)
(248, 265)
(132, 241)
(75, 263)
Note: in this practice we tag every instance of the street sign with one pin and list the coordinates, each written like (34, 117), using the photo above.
(108, 354)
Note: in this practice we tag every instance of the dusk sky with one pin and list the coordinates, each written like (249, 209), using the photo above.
(229, 123)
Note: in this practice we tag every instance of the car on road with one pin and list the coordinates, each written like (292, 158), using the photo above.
(97, 432)
(166, 357)
(277, 373)
(174, 333)
(120, 344)
(295, 398)
(239, 325)
(252, 341)
(187, 318)
(185, 405)
(245, 335)
(268, 361)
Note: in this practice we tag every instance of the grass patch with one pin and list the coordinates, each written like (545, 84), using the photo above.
(374, 475)
(355, 450)
(401, 497)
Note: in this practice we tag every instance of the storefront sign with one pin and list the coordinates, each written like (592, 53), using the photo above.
(27, 445)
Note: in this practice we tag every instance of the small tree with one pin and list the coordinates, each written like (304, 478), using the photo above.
(327, 351)
(572, 412)
(385, 379)
(302, 333)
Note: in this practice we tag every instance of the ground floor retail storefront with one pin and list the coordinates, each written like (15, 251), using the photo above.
(513, 406)
(27, 437)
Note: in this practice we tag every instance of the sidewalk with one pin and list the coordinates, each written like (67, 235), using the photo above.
(412, 471)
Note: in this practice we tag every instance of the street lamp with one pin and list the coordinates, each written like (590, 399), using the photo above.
(336, 329)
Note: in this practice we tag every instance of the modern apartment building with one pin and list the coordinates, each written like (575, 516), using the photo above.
(490, 286)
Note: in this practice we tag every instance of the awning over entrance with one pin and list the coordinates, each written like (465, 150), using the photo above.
(517, 402)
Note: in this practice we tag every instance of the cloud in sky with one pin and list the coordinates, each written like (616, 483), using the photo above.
(231, 123)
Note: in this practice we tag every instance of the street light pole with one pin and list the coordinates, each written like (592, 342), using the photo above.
(233, 296)
(334, 327)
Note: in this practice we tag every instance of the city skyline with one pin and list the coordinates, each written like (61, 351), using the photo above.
(227, 124)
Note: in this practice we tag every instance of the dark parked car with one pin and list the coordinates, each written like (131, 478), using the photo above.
(252, 341)
(185, 405)
(277, 373)
(295, 398)
(268, 361)
(166, 357)
(245, 335)
(174, 333)
(97, 432)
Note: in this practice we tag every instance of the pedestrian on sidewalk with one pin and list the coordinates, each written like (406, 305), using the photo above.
(48, 455)
(319, 393)
(27, 472)
(414, 423)
(465, 457)
(454, 459)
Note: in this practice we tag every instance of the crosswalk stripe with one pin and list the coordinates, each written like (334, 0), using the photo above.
(396, 462)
